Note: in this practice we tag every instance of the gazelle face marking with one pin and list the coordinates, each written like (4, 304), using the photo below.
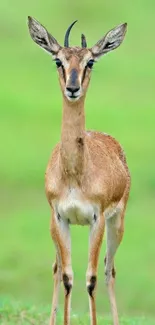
(74, 73)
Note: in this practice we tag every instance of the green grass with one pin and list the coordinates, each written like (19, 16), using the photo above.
(120, 102)
(17, 314)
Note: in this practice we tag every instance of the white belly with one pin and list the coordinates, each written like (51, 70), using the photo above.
(76, 210)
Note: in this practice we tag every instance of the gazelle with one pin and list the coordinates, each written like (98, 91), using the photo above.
(87, 178)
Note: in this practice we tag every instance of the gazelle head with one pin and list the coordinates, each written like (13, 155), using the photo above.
(74, 64)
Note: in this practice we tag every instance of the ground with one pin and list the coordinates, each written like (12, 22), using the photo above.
(15, 314)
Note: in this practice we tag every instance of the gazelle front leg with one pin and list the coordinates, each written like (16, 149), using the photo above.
(95, 241)
(61, 236)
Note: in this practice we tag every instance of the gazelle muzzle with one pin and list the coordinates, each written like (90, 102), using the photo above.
(73, 89)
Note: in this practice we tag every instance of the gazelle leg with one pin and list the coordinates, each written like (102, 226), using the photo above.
(61, 236)
(57, 282)
(96, 236)
(114, 234)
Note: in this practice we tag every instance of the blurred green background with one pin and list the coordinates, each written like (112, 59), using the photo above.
(120, 101)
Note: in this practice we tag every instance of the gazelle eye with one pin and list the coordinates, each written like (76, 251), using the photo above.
(58, 63)
(90, 63)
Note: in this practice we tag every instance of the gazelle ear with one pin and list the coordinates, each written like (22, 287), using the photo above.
(41, 36)
(110, 41)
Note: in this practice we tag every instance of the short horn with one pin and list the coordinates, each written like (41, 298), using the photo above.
(83, 41)
(66, 41)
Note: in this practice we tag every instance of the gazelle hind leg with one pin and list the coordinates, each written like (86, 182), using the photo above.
(57, 281)
(114, 234)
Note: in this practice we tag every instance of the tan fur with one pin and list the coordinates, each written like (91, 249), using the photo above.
(93, 161)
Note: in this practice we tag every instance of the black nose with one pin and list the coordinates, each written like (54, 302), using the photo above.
(73, 89)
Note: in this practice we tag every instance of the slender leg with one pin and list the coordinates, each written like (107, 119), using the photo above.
(57, 282)
(114, 232)
(61, 236)
(96, 236)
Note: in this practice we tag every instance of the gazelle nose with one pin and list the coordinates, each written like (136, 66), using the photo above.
(73, 89)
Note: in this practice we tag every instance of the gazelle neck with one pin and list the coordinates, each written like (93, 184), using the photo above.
(72, 138)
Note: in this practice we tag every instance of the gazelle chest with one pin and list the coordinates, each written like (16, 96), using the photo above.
(73, 208)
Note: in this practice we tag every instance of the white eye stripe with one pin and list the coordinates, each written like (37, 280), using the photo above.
(85, 60)
(62, 58)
